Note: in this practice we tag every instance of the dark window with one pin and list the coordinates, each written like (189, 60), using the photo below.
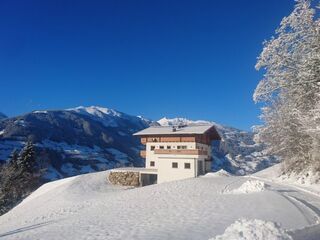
(152, 148)
(152, 164)
(187, 165)
(182, 147)
(168, 147)
(174, 165)
(161, 147)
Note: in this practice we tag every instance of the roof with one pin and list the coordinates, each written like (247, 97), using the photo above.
(168, 130)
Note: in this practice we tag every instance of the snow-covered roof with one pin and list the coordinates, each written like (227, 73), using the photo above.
(168, 130)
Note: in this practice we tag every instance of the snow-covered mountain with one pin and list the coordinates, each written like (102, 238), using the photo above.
(2, 116)
(184, 121)
(74, 141)
(88, 139)
(236, 152)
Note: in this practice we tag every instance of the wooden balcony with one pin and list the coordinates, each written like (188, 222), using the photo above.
(181, 151)
(168, 139)
(143, 153)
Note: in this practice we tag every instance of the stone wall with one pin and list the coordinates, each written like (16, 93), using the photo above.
(124, 178)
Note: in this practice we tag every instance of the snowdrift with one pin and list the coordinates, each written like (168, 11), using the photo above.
(255, 229)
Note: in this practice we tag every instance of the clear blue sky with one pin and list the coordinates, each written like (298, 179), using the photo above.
(154, 58)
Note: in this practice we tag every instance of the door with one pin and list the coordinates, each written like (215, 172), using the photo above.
(200, 168)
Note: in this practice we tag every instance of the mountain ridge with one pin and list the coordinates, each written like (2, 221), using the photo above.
(2, 116)
(88, 139)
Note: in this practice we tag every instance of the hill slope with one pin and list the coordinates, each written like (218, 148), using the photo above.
(88, 207)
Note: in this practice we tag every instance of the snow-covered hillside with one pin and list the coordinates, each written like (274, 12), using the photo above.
(236, 152)
(88, 207)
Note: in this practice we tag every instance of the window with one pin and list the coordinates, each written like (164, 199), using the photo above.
(161, 147)
(182, 147)
(168, 147)
(152, 163)
(187, 165)
(152, 148)
(174, 165)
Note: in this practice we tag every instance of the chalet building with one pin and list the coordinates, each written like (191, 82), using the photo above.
(178, 152)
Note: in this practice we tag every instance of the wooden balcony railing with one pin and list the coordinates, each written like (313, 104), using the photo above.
(181, 151)
(143, 153)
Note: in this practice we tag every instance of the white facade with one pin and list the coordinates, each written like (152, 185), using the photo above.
(173, 166)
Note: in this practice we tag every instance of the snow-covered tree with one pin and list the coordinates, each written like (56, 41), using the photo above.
(290, 89)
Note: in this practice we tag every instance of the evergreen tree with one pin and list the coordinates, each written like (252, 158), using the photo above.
(27, 161)
(19, 177)
(14, 159)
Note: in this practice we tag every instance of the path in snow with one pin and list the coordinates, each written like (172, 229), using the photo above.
(88, 207)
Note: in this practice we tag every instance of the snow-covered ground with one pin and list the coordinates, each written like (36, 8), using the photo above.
(88, 207)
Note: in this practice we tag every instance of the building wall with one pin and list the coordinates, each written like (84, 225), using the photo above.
(150, 156)
(163, 162)
(167, 173)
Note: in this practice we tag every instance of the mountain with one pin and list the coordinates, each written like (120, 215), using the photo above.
(87, 139)
(236, 152)
(2, 116)
(75, 141)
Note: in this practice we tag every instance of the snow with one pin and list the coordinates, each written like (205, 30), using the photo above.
(40, 111)
(104, 115)
(122, 133)
(20, 122)
(77, 151)
(68, 168)
(302, 182)
(7, 147)
(52, 174)
(2, 132)
(250, 186)
(119, 156)
(176, 121)
(245, 229)
(220, 173)
(2, 116)
(89, 207)
(95, 110)
(189, 129)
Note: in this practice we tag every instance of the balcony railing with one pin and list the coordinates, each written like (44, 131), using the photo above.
(143, 153)
(181, 151)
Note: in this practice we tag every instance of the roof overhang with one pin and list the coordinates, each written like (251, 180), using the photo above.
(208, 130)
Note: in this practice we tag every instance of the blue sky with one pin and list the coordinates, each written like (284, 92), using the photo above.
(191, 59)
